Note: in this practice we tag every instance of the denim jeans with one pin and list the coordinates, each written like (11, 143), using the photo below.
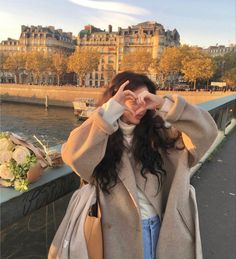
(150, 230)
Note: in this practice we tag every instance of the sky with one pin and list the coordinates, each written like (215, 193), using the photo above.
(199, 22)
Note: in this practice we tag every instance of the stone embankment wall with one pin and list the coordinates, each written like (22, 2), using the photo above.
(61, 96)
(64, 95)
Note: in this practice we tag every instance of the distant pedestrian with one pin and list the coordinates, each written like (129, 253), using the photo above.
(138, 147)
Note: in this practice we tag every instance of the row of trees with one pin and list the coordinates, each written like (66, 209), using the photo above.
(190, 63)
(39, 64)
(225, 68)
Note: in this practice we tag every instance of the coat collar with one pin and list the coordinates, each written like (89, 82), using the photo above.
(127, 177)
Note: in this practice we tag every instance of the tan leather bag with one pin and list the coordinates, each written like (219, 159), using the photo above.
(93, 234)
(79, 235)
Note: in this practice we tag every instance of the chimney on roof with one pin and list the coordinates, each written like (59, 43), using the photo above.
(88, 28)
(51, 28)
(69, 34)
(23, 27)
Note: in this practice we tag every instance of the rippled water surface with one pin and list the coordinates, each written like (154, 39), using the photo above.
(51, 126)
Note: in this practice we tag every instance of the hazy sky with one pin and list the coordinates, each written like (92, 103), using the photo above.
(199, 22)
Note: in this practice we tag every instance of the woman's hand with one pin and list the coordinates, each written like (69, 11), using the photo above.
(122, 95)
(151, 101)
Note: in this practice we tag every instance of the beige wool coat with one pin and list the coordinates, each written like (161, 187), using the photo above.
(121, 221)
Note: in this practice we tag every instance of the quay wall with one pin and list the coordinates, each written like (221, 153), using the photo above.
(64, 95)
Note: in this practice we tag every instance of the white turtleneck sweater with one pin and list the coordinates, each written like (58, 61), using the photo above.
(146, 208)
(111, 112)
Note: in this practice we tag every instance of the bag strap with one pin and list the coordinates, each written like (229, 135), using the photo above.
(82, 183)
(97, 190)
(95, 209)
(97, 201)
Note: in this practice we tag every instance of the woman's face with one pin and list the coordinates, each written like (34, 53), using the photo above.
(130, 118)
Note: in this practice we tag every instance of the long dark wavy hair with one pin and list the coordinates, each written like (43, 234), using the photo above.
(149, 135)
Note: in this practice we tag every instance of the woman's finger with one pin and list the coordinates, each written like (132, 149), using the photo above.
(144, 94)
(122, 87)
(130, 98)
(129, 93)
(138, 110)
(141, 99)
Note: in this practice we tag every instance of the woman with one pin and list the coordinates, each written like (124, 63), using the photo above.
(139, 147)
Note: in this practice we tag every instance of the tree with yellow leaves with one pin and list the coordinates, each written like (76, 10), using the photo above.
(230, 77)
(59, 65)
(109, 72)
(15, 63)
(83, 61)
(154, 68)
(3, 57)
(138, 61)
(196, 65)
(38, 63)
(170, 61)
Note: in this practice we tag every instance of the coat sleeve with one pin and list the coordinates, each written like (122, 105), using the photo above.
(196, 125)
(86, 145)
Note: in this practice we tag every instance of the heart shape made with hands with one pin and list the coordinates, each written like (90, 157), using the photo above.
(145, 99)
(149, 101)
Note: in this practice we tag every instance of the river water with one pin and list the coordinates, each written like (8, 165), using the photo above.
(51, 126)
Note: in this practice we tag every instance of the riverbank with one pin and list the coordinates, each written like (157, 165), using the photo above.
(63, 96)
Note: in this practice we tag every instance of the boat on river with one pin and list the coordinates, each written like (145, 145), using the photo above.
(83, 107)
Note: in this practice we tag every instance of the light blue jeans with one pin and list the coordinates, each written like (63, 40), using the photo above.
(150, 229)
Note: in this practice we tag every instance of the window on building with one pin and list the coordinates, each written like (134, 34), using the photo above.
(110, 59)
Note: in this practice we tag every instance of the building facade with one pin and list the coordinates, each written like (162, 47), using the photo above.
(36, 38)
(40, 38)
(220, 50)
(114, 45)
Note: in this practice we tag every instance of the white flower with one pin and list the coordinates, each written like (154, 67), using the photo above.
(5, 183)
(5, 156)
(5, 172)
(6, 144)
(20, 154)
